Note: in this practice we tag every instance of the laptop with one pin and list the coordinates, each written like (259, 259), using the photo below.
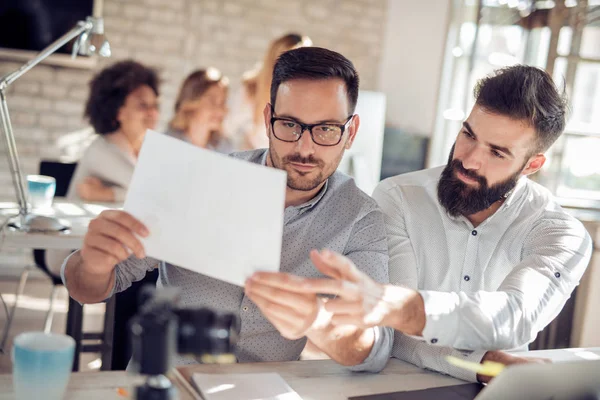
(567, 380)
(574, 380)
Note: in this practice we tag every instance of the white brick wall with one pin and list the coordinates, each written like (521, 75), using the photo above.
(177, 36)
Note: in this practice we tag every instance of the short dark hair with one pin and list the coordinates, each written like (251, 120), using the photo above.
(109, 89)
(315, 63)
(526, 93)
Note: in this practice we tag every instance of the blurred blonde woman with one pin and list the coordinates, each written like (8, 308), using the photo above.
(257, 87)
(200, 109)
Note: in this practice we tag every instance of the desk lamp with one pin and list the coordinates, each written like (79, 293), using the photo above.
(90, 40)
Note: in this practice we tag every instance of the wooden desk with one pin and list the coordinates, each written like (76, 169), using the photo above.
(326, 379)
(83, 385)
(312, 380)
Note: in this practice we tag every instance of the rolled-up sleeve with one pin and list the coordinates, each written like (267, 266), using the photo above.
(126, 272)
(380, 352)
(424, 355)
(132, 270)
(64, 266)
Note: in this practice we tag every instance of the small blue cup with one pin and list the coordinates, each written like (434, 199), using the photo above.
(41, 191)
(42, 365)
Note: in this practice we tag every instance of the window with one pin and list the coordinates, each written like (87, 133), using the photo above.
(561, 36)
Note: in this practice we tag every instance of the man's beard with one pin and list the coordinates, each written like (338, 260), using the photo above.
(458, 198)
(302, 182)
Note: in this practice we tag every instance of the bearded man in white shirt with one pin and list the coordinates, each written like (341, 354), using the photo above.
(481, 257)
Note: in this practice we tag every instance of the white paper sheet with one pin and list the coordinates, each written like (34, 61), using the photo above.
(207, 212)
(262, 386)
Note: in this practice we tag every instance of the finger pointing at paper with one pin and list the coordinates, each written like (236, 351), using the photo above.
(360, 300)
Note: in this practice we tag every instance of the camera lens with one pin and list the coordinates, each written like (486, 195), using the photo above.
(203, 331)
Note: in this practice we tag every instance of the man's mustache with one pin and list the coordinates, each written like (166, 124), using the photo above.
(458, 167)
(297, 158)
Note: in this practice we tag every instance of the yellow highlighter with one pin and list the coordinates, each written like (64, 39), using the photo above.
(488, 368)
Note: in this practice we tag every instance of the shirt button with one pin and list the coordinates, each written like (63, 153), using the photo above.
(434, 341)
(467, 278)
(474, 232)
(557, 274)
(245, 308)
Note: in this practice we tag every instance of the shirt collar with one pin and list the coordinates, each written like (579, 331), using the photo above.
(263, 158)
(313, 202)
(515, 194)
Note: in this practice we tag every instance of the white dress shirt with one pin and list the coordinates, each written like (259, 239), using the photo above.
(490, 287)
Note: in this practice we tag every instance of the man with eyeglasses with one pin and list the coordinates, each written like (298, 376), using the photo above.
(310, 123)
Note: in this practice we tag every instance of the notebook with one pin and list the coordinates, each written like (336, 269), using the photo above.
(263, 386)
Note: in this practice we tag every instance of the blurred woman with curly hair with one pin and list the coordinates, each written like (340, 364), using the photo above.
(122, 104)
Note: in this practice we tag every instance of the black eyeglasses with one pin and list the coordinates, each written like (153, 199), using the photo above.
(290, 130)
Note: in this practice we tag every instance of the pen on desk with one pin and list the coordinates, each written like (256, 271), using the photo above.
(488, 368)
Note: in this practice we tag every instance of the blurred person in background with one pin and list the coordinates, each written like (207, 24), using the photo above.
(122, 105)
(200, 109)
(246, 124)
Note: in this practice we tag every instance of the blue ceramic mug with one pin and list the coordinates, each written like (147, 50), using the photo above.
(42, 365)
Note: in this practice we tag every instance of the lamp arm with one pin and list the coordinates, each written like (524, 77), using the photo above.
(82, 26)
(13, 156)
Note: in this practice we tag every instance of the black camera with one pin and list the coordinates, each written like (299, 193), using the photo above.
(160, 330)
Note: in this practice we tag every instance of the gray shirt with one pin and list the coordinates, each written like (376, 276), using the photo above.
(341, 218)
